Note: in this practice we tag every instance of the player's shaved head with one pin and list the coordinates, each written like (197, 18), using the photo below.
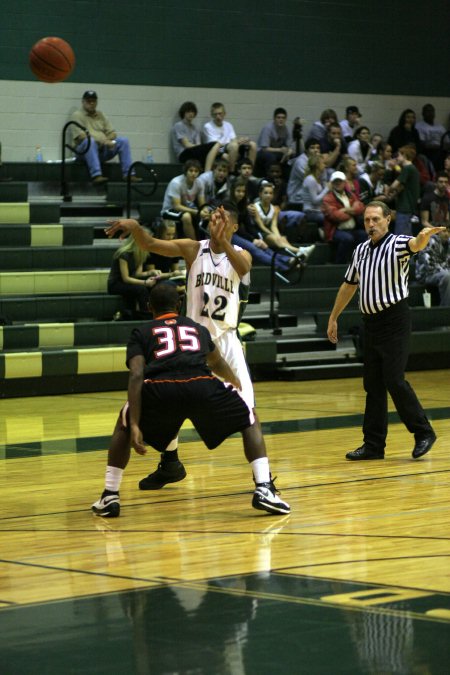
(163, 298)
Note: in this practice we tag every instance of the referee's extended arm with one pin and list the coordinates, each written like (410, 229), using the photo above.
(420, 241)
(345, 294)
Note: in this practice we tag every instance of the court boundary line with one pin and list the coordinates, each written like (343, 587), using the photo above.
(234, 494)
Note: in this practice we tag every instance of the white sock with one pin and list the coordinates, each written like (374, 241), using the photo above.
(173, 445)
(261, 470)
(113, 478)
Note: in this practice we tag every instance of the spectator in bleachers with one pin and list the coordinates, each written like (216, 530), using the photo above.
(430, 135)
(360, 148)
(215, 183)
(371, 185)
(314, 189)
(163, 267)
(297, 175)
(333, 146)
(435, 204)
(349, 167)
(244, 168)
(384, 155)
(375, 141)
(341, 210)
(405, 132)
(105, 143)
(433, 263)
(184, 198)
(351, 122)
(219, 130)
(128, 279)
(289, 220)
(275, 141)
(406, 190)
(265, 215)
(320, 128)
(275, 176)
(249, 237)
(426, 171)
(186, 139)
(216, 189)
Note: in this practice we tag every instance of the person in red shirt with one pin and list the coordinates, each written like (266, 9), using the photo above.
(341, 209)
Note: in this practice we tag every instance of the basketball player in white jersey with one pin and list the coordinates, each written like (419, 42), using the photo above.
(217, 285)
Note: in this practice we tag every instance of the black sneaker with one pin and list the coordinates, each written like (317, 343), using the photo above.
(108, 506)
(365, 453)
(170, 472)
(265, 498)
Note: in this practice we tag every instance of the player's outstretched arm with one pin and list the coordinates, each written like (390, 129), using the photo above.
(181, 248)
(221, 368)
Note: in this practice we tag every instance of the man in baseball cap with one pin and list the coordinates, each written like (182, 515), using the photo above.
(342, 224)
(105, 143)
(337, 175)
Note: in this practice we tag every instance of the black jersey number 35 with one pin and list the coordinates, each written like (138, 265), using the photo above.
(170, 340)
(220, 303)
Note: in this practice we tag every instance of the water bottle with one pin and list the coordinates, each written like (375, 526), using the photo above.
(38, 156)
(149, 156)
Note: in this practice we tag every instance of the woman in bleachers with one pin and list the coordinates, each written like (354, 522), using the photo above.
(128, 279)
(314, 189)
(265, 215)
(405, 133)
(249, 237)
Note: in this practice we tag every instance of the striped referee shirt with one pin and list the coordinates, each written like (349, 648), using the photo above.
(382, 272)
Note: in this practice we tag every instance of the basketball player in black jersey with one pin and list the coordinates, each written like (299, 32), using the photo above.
(170, 360)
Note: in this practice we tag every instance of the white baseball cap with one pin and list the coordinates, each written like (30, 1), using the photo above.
(338, 175)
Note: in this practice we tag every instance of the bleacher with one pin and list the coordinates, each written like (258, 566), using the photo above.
(59, 335)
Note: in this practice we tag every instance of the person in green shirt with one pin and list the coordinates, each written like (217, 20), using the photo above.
(406, 189)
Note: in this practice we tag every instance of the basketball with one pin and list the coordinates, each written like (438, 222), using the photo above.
(52, 59)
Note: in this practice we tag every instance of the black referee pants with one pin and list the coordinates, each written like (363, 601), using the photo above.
(386, 349)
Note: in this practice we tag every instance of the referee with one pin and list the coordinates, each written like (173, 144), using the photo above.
(380, 266)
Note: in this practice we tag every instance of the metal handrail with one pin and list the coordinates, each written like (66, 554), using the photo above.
(136, 188)
(273, 312)
(64, 191)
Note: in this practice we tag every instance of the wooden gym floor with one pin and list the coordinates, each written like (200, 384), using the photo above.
(191, 579)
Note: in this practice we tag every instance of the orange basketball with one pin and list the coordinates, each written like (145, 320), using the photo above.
(52, 59)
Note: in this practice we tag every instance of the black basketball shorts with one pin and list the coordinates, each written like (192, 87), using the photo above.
(216, 410)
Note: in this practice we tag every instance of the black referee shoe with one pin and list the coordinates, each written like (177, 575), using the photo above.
(170, 472)
(365, 453)
(423, 446)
